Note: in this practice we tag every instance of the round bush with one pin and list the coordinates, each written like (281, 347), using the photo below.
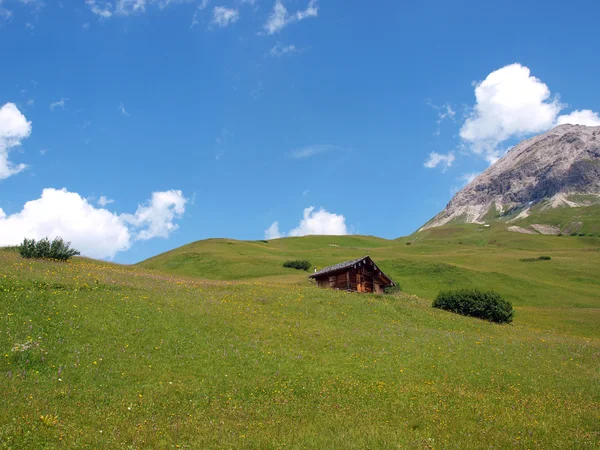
(475, 303)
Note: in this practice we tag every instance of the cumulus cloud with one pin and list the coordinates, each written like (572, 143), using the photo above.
(512, 103)
(96, 232)
(583, 117)
(14, 127)
(273, 231)
(314, 222)
(439, 159)
(280, 17)
(223, 17)
(155, 218)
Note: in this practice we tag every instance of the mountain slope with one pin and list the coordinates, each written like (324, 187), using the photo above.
(560, 168)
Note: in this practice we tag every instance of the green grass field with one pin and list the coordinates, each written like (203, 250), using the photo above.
(216, 345)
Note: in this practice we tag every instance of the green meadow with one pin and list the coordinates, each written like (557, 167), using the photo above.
(217, 345)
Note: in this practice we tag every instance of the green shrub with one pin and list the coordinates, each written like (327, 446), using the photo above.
(475, 303)
(539, 258)
(298, 264)
(57, 249)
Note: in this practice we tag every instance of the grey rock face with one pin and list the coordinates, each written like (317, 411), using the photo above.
(561, 162)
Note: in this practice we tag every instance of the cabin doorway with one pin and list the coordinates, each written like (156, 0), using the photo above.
(359, 283)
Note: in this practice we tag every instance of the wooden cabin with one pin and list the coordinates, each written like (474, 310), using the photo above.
(358, 275)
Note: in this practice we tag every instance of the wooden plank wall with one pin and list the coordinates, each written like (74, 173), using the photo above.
(347, 280)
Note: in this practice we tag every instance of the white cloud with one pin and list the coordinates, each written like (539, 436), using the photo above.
(155, 219)
(280, 18)
(273, 231)
(583, 117)
(58, 104)
(102, 9)
(512, 103)
(196, 18)
(311, 11)
(106, 9)
(122, 109)
(279, 50)
(311, 150)
(30, 102)
(444, 112)
(444, 161)
(127, 7)
(103, 201)
(6, 14)
(320, 222)
(223, 17)
(14, 127)
(313, 222)
(96, 232)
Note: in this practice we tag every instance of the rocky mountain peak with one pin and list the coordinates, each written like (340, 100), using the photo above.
(552, 167)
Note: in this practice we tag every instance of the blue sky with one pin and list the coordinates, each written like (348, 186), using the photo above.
(134, 126)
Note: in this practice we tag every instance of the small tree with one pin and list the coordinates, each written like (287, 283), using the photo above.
(57, 249)
(27, 248)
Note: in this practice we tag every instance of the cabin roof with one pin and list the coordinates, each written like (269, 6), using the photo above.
(347, 265)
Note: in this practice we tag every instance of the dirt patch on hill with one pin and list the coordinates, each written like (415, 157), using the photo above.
(516, 229)
(546, 229)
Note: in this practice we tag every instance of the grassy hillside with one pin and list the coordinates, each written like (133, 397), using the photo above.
(425, 263)
(96, 355)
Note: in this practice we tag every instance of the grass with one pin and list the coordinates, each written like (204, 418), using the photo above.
(582, 219)
(459, 256)
(132, 358)
(114, 356)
